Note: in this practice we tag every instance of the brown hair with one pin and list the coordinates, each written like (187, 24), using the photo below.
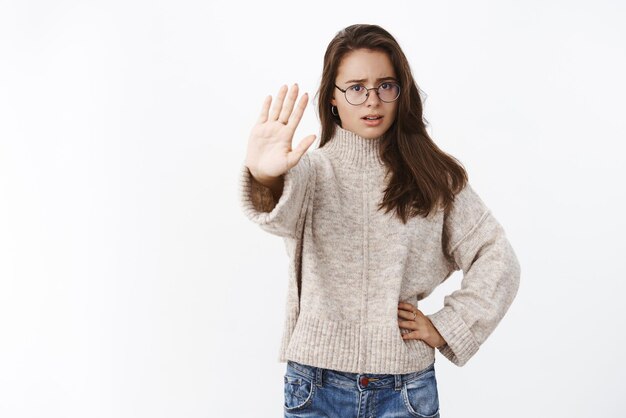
(422, 175)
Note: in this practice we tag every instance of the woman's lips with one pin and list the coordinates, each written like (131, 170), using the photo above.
(374, 122)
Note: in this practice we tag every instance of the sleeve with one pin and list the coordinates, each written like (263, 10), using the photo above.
(491, 274)
(278, 218)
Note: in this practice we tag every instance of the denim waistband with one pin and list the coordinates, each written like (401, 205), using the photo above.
(361, 381)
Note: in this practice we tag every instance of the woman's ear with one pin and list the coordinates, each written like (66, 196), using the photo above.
(333, 102)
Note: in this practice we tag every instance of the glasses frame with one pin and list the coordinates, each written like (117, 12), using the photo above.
(367, 94)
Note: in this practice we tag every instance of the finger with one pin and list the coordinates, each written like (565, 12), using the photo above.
(405, 314)
(295, 155)
(278, 104)
(406, 305)
(409, 308)
(294, 120)
(288, 106)
(411, 335)
(410, 315)
(264, 109)
(408, 324)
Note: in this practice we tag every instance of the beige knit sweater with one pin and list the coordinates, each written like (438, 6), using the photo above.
(350, 264)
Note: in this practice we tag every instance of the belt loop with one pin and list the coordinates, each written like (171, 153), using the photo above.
(318, 376)
(398, 383)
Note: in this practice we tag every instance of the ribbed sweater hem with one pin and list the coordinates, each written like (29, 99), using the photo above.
(329, 344)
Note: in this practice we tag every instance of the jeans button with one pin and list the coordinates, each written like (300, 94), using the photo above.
(364, 381)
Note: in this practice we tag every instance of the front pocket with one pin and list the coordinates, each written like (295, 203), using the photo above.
(421, 397)
(298, 392)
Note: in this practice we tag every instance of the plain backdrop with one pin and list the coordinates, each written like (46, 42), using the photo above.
(131, 283)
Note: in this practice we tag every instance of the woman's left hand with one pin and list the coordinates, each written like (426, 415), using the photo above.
(421, 327)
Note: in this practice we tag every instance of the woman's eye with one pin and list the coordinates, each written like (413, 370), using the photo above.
(385, 86)
(356, 87)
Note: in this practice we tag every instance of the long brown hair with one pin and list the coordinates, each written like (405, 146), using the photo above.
(422, 175)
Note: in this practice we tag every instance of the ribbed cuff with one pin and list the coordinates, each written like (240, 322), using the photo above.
(281, 217)
(255, 194)
(257, 200)
(460, 343)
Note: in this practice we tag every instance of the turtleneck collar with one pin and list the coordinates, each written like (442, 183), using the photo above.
(354, 150)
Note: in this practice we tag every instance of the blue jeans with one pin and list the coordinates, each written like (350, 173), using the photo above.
(317, 392)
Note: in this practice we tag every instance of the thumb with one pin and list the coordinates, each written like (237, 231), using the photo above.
(299, 151)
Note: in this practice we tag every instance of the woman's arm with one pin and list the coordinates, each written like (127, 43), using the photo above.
(491, 274)
(274, 176)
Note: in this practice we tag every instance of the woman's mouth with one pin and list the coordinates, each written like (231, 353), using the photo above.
(372, 120)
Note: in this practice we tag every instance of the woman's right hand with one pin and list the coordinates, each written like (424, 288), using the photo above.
(269, 154)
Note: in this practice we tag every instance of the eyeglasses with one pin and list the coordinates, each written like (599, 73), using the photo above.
(358, 93)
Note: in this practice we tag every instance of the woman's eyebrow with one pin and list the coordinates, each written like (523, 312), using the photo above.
(378, 79)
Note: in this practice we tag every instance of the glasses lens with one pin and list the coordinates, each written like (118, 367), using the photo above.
(388, 92)
(356, 94)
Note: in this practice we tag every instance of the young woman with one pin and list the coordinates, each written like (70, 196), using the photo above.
(373, 220)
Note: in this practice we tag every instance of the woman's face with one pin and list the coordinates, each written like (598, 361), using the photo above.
(373, 68)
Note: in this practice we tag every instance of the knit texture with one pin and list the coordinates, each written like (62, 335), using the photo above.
(350, 263)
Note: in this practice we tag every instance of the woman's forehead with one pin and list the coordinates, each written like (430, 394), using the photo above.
(364, 65)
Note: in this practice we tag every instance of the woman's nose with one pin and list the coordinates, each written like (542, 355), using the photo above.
(372, 96)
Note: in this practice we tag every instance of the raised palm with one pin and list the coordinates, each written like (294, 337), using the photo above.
(270, 154)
